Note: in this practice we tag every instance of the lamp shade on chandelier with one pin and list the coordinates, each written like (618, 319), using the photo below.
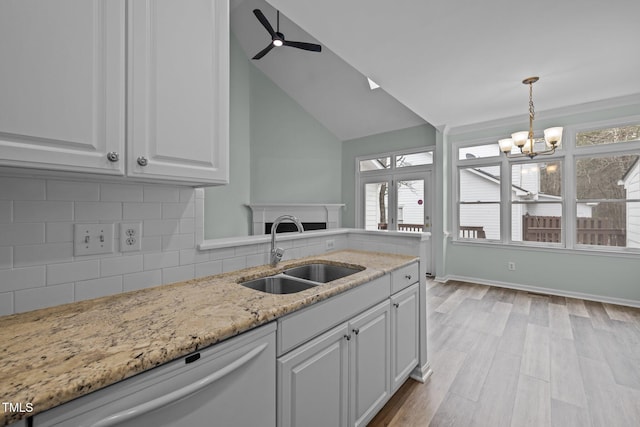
(524, 140)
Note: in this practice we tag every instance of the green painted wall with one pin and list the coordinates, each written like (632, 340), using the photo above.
(224, 210)
(404, 139)
(599, 274)
(294, 159)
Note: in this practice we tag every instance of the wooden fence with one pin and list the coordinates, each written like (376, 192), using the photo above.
(590, 231)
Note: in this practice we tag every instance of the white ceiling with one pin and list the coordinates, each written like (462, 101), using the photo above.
(328, 88)
(461, 62)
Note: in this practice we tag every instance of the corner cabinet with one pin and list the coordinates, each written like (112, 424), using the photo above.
(137, 89)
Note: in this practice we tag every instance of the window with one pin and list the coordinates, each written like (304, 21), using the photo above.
(393, 191)
(585, 196)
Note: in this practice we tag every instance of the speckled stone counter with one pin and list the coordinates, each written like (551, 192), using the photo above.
(53, 355)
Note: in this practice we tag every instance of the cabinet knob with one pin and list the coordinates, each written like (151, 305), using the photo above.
(142, 161)
(347, 337)
(356, 331)
(112, 156)
(396, 305)
(407, 276)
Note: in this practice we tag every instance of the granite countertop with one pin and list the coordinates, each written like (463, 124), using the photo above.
(53, 355)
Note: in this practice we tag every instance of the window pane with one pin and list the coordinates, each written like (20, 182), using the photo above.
(414, 159)
(606, 177)
(480, 221)
(376, 205)
(480, 184)
(375, 164)
(607, 224)
(608, 136)
(411, 205)
(536, 181)
(479, 151)
(536, 222)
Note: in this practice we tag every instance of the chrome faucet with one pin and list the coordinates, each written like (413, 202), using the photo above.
(276, 253)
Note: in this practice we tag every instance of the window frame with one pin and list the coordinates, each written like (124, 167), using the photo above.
(567, 154)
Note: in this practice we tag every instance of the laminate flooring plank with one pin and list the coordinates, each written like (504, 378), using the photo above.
(469, 381)
(500, 294)
(535, 356)
(455, 411)
(498, 394)
(492, 322)
(598, 315)
(521, 303)
(559, 321)
(555, 299)
(628, 338)
(465, 312)
(564, 414)
(513, 336)
(576, 307)
(566, 379)
(539, 312)
(585, 338)
(622, 313)
(625, 370)
(451, 302)
(532, 406)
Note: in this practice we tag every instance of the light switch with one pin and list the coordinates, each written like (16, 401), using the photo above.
(92, 239)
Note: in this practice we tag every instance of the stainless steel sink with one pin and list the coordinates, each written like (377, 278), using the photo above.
(321, 273)
(278, 285)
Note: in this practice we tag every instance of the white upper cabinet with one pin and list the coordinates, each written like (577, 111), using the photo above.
(62, 84)
(179, 90)
(73, 70)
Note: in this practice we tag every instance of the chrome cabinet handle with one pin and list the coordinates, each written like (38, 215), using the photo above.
(112, 156)
(142, 161)
(356, 331)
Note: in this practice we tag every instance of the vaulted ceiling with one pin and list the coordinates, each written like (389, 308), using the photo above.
(450, 62)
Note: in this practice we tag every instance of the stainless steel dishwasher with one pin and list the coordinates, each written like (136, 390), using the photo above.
(232, 383)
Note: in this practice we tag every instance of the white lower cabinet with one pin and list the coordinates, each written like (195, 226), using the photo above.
(340, 378)
(404, 331)
(229, 384)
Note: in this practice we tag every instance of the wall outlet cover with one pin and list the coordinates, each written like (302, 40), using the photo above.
(130, 237)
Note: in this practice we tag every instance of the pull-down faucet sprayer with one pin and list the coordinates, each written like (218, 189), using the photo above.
(276, 253)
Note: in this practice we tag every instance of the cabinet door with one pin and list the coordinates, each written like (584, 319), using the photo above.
(179, 90)
(313, 382)
(62, 84)
(404, 326)
(369, 354)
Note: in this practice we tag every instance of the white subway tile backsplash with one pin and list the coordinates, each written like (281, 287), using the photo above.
(161, 260)
(98, 211)
(178, 210)
(176, 242)
(187, 195)
(231, 264)
(142, 211)
(22, 278)
(6, 210)
(144, 279)
(73, 191)
(121, 265)
(187, 226)
(6, 303)
(152, 244)
(42, 211)
(47, 253)
(59, 232)
(32, 299)
(257, 259)
(178, 274)
(95, 288)
(6, 258)
(121, 193)
(22, 189)
(73, 271)
(157, 193)
(208, 268)
(193, 256)
(221, 253)
(21, 234)
(159, 227)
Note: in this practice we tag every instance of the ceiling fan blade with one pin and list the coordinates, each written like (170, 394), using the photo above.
(305, 46)
(264, 22)
(263, 52)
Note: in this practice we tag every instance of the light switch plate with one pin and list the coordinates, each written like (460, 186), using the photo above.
(92, 239)
(130, 237)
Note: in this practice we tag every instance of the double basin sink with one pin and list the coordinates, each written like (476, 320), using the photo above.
(297, 279)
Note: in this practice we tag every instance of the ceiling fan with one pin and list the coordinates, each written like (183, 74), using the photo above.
(277, 38)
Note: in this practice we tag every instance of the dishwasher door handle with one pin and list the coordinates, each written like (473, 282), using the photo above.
(183, 392)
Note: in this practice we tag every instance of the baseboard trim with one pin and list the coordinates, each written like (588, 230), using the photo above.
(541, 290)
(421, 373)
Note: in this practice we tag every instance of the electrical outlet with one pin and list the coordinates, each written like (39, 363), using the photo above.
(92, 239)
(511, 266)
(130, 237)
(329, 244)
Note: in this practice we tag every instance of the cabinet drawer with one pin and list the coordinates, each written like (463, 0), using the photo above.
(303, 325)
(405, 276)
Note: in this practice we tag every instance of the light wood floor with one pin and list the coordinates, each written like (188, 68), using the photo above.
(511, 358)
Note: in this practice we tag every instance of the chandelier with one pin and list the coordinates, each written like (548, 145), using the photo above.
(524, 140)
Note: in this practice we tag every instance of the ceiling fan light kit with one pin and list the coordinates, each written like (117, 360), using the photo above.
(524, 140)
(278, 39)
